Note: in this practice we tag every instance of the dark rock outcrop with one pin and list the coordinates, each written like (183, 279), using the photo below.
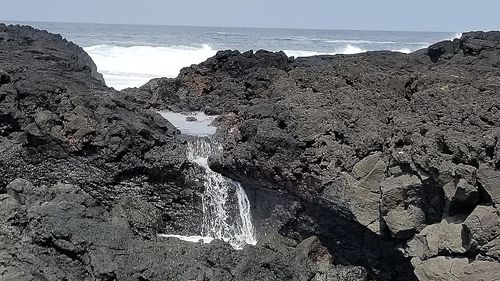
(59, 122)
(88, 179)
(376, 148)
(378, 165)
(60, 232)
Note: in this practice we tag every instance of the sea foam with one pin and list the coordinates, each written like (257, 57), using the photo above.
(347, 50)
(124, 67)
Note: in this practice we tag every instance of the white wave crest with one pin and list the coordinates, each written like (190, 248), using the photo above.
(403, 50)
(360, 41)
(124, 67)
(347, 50)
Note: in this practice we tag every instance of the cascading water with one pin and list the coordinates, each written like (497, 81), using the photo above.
(220, 220)
(217, 220)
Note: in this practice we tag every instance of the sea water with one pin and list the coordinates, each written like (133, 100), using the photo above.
(131, 55)
(219, 221)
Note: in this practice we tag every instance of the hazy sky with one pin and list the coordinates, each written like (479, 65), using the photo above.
(425, 15)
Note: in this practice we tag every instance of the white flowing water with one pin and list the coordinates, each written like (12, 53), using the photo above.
(219, 220)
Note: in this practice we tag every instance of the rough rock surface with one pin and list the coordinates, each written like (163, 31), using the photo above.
(390, 160)
(374, 146)
(59, 122)
(60, 232)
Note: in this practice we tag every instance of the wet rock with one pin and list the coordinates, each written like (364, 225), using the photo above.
(191, 119)
(440, 239)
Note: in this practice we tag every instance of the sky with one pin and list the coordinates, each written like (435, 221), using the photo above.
(423, 15)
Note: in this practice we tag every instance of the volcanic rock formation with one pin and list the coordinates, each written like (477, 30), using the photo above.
(379, 165)
(388, 156)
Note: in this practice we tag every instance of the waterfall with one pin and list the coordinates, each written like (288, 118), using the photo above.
(218, 222)
(221, 219)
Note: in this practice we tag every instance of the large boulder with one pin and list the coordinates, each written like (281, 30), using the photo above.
(440, 269)
(440, 239)
(483, 224)
(489, 179)
(404, 223)
(482, 271)
(479, 48)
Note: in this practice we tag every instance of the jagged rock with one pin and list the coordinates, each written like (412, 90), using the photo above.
(366, 165)
(443, 238)
(9, 207)
(144, 219)
(4, 77)
(60, 123)
(399, 191)
(460, 196)
(69, 236)
(479, 48)
(490, 181)
(483, 224)
(403, 223)
(310, 127)
(362, 192)
(482, 271)
(492, 249)
(25, 192)
(299, 127)
(440, 269)
(466, 192)
(466, 172)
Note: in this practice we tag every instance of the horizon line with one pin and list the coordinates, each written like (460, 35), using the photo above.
(243, 27)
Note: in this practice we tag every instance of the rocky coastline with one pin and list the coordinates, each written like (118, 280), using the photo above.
(375, 166)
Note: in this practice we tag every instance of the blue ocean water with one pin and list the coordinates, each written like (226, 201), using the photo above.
(131, 55)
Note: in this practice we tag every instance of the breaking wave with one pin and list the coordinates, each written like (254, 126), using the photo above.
(347, 50)
(124, 67)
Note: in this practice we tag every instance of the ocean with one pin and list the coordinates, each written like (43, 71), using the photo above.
(131, 55)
